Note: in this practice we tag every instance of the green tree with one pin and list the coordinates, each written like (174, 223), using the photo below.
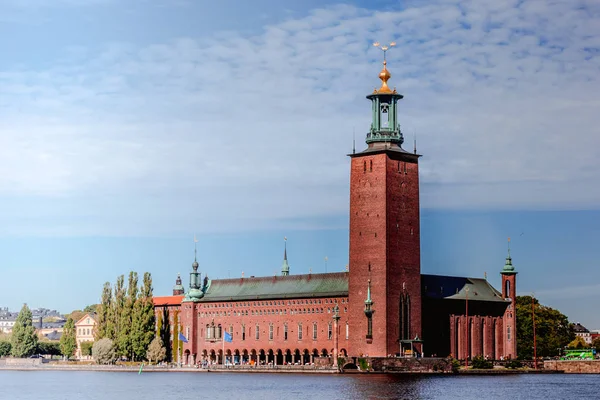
(165, 334)
(92, 308)
(104, 352)
(4, 348)
(578, 343)
(86, 348)
(23, 340)
(596, 344)
(143, 320)
(48, 348)
(552, 328)
(156, 350)
(104, 322)
(122, 325)
(126, 316)
(68, 344)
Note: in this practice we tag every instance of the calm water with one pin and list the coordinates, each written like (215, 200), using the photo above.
(54, 385)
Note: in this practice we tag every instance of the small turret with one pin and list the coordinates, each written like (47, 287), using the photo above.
(178, 289)
(285, 267)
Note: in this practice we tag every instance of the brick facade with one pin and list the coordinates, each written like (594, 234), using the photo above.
(384, 248)
(205, 323)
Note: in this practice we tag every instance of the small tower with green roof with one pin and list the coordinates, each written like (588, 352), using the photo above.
(509, 292)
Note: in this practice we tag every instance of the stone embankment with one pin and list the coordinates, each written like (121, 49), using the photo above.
(574, 367)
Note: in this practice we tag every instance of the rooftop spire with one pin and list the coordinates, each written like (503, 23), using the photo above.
(384, 75)
(285, 267)
(195, 263)
(508, 267)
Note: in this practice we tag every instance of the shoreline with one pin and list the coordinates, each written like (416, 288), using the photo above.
(271, 370)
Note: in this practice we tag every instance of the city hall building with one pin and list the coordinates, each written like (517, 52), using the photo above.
(381, 306)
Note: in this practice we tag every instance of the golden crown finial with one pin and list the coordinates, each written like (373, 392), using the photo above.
(384, 75)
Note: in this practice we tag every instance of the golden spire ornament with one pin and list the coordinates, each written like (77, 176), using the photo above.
(384, 75)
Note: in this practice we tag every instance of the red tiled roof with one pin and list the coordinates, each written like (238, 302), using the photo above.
(167, 300)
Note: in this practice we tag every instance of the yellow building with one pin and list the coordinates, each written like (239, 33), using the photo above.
(84, 332)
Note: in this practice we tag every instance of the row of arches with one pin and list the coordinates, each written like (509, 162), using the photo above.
(260, 357)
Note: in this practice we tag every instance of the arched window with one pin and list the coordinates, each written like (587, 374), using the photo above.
(507, 289)
(219, 332)
(315, 330)
(208, 331)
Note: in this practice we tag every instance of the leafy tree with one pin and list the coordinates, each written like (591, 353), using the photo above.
(596, 343)
(177, 344)
(126, 315)
(104, 323)
(578, 343)
(552, 329)
(164, 332)
(86, 348)
(143, 320)
(104, 352)
(156, 350)
(76, 315)
(68, 344)
(92, 308)
(121, 325)
(48, 348)
(4, 348)
(23, 340)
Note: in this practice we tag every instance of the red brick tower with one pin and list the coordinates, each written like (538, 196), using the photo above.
(384, 234)
(509, 291)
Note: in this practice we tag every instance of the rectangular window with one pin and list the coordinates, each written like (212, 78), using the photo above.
(329, 331)
(271, 332)
(285, 332)
(243, 332)
(299, 331)
(347, 331)
(257, 333)
(508, 333)
(315, 330)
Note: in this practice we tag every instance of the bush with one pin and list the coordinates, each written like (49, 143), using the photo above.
(362, 363)
(455, 365)
(104, 352)
(513, 364)
(48, 348)
(5, 349)
(86, 348)
(480, 363)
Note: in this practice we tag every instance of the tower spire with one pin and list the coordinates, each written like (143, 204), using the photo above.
(384, 75)
(508, 266)
(285, 267)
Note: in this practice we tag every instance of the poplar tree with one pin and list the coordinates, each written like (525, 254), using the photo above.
(68, 344)
(143, 319)
(121, 322)
(126, 338)
(104, 323)
(23, 339)
(164, 332)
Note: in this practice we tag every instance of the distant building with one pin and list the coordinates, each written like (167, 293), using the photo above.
(54, 328)
(84, 332)
(7, 320)
(582, 332)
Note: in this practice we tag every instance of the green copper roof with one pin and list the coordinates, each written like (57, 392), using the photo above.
(277, 287)
(508, 269)
(455, 288)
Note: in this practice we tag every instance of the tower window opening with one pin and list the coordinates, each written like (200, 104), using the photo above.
(507, 288)
(385, 115)
(371, 166)
(364, 166)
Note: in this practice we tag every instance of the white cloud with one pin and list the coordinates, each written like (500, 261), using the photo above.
(239, 128)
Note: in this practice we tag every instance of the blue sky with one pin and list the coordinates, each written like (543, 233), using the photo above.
(128, 126)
